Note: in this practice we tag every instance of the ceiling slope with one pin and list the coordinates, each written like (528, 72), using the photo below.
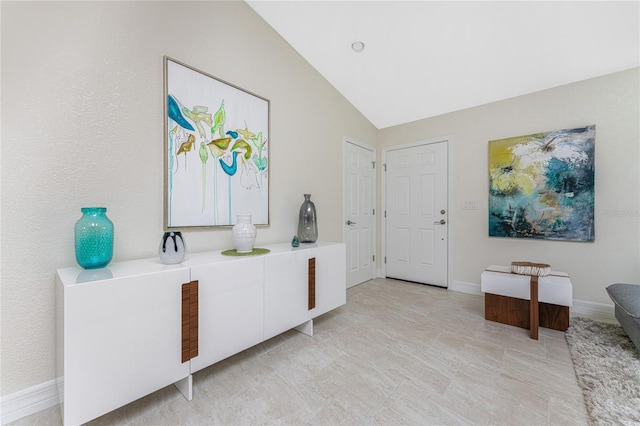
(426, 58)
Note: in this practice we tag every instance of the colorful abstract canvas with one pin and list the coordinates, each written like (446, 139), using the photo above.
(216, 151)
(541, 186)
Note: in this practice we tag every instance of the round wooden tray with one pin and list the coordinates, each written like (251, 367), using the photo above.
(255, 252)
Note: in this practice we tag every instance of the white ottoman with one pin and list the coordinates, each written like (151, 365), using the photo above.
(508, 299)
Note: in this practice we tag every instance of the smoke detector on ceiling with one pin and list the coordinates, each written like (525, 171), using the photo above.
(357, 46)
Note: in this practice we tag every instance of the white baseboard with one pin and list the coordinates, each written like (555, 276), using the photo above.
(593, 310)
(29, 401)
(465, 287)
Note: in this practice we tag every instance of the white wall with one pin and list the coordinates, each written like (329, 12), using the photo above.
(612, 104)
(82, 120)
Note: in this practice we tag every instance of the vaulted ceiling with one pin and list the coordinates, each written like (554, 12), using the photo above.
(426, 58)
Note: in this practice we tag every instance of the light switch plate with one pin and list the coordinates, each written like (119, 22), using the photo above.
(469, 205)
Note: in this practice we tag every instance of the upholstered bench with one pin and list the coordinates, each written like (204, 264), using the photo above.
(507, 299)
(626, 298)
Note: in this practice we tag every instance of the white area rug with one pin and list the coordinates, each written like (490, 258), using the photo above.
(607, 366)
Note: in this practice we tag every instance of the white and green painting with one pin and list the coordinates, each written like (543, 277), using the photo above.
(216, 151)
(541, 186)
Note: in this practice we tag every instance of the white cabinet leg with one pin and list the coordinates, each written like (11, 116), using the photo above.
(306, 328)
(185, 386)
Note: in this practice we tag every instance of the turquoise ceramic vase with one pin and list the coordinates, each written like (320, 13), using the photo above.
(94, 238)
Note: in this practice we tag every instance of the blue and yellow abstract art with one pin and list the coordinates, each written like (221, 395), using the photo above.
(541, 186)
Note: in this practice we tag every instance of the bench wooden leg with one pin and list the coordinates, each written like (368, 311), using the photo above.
(533, 308)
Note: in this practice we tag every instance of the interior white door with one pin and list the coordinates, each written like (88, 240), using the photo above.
(416, 213)
(359, 214)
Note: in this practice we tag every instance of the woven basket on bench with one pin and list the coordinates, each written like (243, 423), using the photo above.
(530, 268)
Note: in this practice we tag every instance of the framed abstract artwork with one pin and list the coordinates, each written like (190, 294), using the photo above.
(216, 150)
(541, 186)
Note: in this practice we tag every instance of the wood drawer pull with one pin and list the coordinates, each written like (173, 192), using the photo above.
(189, 320)
(312, 283)
(534, 314)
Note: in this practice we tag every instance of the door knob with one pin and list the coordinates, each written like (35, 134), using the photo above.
(350, 223)
(440, 222)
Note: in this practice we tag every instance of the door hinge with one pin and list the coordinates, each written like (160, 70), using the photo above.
(385, 259)
(385, 214)
(373, 163)
(374, 212)
(385, 166)
(374, 257)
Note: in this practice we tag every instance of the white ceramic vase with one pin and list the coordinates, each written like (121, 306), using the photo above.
(244, 234)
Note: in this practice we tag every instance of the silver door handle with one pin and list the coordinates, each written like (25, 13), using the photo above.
(350, 223)
(440, 222)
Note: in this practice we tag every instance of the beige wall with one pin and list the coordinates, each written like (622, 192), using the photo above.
(612, 104)
(82, 118)
(82, 125)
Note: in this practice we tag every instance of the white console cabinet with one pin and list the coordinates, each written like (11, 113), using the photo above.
(231, 308)
(330, 268)
(286, 295)
(135, 327)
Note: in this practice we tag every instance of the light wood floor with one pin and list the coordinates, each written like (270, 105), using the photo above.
(396, 353)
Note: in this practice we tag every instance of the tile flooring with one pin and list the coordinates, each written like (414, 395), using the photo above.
(396, 353)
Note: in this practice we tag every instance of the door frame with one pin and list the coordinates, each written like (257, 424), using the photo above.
(450, 216)
(374, 194)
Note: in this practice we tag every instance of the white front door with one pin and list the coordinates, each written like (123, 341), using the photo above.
(416, 213)
(359, 215)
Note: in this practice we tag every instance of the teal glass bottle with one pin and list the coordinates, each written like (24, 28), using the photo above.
(94, 238)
